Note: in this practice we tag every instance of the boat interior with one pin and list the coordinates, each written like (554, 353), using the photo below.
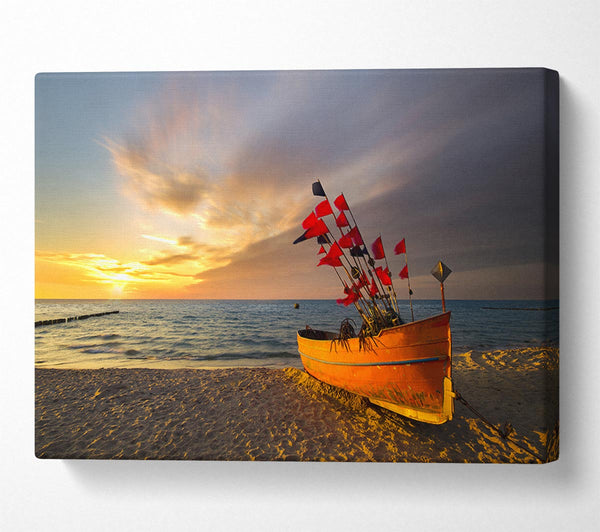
(314, 334)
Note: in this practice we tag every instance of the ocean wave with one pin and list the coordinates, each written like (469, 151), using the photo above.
(254, 355)
(98, 350)
(220, 332)
(87, 347)
(111, 336)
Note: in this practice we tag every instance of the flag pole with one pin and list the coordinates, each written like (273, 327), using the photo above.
(343, 252)
(392, 285)
(362, 311)
(359, 268)
(374, 319)
(369, 267)
(408, 281)
(443, 298)
(440, 271)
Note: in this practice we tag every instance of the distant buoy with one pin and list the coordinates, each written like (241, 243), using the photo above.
(296, 305)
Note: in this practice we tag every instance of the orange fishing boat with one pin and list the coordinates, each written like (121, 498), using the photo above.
(406, 369)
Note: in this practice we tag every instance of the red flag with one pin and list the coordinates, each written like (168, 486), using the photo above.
(404, 273)
(384, 275)
(340, 203)
(309, 221)
(335, 251)
(321, 250)
(333, 256)
(349, 299)
(400, 247)
(355, 235)
(323, 209)
(373, 290)
(319, 228)
(377, 248)
(341, 220)
(330, 261)
(345, 241)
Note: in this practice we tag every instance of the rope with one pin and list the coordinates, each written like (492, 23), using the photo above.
(504, 434)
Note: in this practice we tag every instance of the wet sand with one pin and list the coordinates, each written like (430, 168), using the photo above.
(285, 414)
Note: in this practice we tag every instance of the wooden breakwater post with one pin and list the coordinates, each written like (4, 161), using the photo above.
(73, 318)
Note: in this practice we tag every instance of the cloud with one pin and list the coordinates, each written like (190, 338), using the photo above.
(157, 184)
(160, 239)
(197, 255)
(176, 258)
(447, 159)
(102, 269)
(180, 157)
(185, 241)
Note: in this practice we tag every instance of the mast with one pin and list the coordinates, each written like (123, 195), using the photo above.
(361, 293)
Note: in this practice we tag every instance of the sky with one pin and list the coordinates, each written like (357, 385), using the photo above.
(194, 185)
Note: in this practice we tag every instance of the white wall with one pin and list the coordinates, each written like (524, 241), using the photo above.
(115, 35)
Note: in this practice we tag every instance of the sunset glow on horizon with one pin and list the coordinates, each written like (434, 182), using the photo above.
(194, 185)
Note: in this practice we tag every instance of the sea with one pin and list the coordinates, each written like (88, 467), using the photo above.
(253, 333)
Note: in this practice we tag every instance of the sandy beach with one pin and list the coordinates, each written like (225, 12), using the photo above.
(284, 414)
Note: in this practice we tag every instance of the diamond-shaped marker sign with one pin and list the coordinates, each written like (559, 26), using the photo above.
(441, 271)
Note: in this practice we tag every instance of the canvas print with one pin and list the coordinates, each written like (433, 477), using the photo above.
(352, 265)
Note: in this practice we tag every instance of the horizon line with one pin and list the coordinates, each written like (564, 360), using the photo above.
(268, 299)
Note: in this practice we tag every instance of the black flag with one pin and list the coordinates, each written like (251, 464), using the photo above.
(357, 251)
(323, 239)
(318, 189)
(301, 238)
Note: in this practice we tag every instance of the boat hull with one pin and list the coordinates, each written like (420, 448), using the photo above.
(406, 369)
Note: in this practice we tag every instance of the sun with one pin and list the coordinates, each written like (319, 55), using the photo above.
(117, 290)
(119, 282)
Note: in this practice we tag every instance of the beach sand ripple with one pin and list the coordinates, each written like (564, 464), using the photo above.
(274, 414)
